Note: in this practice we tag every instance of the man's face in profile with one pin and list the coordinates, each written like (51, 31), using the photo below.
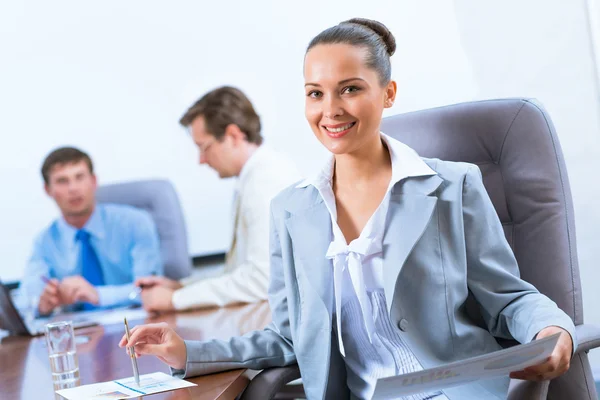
(217, 154)
(73, 187)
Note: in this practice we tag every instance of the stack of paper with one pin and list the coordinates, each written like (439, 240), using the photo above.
(492, 365)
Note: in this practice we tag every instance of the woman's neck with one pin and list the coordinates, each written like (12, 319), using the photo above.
(362, 165)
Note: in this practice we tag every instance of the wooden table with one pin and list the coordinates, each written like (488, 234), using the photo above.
(25, 369)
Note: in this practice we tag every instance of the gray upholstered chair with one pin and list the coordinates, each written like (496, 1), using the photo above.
(515, 145)
(159, 198)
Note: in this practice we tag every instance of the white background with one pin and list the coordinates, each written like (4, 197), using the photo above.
(114, 77)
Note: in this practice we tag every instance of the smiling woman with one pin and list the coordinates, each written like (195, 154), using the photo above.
(344, 105)
(359, 253)
(345, 99)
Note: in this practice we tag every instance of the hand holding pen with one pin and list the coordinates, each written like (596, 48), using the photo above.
(158, 340)
(50, 297)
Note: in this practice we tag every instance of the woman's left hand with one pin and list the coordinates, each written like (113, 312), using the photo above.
(555, 365)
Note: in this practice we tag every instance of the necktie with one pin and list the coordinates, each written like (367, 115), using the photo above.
(351, 257)
(235, 208)
(90, 265)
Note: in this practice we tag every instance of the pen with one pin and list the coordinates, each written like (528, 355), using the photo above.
(136, 292)
(136, 373)
(48, 281)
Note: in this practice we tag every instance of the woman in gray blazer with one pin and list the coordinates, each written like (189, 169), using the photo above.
(373, 259)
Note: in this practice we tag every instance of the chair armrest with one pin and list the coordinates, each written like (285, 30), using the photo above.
(266, 384)
(527, 390)
(270, 381)
(588, 337)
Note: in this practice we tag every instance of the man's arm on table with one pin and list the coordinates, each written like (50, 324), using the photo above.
(34, 281)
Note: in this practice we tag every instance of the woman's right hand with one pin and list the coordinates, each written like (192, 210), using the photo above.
(157, 340)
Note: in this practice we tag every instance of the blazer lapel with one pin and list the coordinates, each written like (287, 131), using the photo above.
(311, 233)
(410, 210)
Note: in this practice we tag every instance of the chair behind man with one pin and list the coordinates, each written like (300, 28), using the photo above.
(157, 197)
(514, 143)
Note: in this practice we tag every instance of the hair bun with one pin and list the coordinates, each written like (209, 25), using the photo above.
(380, 29)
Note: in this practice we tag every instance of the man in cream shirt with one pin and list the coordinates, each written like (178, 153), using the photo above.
(226, 130)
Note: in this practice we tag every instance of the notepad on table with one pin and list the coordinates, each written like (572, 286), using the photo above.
(126, 388)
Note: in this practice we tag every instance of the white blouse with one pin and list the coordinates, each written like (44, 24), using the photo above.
(363, 325)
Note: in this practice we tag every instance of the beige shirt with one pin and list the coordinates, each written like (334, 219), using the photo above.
(246, 275)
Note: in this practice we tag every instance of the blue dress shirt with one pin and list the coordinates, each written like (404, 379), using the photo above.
(126, 243)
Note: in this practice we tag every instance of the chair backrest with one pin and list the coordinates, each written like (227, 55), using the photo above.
(514, 143)
(159, 198)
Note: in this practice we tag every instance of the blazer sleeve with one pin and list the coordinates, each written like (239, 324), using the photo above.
(271, 347)
(511, 307)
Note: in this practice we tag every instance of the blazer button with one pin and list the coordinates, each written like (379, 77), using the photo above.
(403, 325)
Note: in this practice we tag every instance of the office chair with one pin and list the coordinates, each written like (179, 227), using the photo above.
(514, 143)
(157, 197)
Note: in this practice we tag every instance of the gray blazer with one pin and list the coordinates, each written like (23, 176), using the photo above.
(451, 282)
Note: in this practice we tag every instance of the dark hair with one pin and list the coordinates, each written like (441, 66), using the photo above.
(372, 35)
(221, 107)
(64, 155)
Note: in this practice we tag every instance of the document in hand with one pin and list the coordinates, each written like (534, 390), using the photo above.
(125, 388)
(492, 365)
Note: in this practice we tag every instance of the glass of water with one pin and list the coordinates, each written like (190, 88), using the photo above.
(64, 363)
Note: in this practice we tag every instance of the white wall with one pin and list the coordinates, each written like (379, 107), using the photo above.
(114, 77)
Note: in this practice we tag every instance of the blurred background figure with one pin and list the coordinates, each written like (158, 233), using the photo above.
(227, 131)
(90, 255)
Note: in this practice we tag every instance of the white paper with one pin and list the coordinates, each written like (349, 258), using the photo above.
(492, 365)
(125, 388)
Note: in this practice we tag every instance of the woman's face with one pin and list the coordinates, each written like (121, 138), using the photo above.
(344, 97)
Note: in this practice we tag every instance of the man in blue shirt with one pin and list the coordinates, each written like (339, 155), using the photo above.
(90, 256)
